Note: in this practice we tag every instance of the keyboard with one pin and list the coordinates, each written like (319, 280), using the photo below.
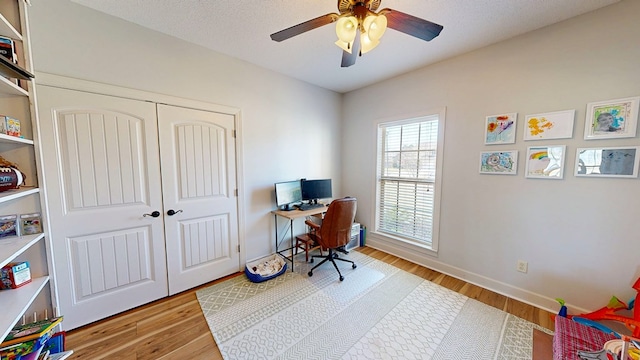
(304, 207)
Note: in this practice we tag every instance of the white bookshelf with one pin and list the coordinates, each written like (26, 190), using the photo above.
(15, 302)
(18, 100)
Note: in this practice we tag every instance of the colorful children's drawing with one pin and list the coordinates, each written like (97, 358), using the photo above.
(612, 119)
(553, 125)
(546, 162)
(500, 129)
(499, 162)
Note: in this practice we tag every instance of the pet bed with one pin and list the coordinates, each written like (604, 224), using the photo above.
(265, 269)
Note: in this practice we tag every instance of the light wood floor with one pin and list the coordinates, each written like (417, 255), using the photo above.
(174, 327)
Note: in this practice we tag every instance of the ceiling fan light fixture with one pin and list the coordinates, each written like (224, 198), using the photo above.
(344, 46)
(360, 26)
(367, 44)
(346, 29)
(374, 26)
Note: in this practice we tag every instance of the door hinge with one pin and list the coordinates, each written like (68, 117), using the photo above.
(235, 192)
(238, 248)
(233, 133)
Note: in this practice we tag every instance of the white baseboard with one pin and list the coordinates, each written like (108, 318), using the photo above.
(421, 258)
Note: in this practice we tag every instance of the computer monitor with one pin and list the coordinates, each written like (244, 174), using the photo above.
(287, 194)
(312, 190)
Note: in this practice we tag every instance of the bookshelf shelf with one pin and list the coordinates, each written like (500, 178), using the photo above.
(6, 29)
(8, 68)
(16, 301)
(9, 89)
(8, 139)
(13, 246)
(17, 193)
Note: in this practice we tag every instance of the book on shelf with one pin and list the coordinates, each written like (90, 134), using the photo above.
(60, 356)
(26, 342)
(7, 49)
(28, 350)
(31, 331)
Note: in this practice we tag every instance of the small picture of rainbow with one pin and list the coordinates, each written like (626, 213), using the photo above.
(539, 155)
(546, 162)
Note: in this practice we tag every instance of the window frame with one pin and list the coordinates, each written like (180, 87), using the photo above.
(396, 240)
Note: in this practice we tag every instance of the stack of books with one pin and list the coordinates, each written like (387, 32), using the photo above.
(29, 341)
(7, 49)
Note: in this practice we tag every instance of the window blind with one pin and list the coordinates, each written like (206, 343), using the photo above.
(406, 178)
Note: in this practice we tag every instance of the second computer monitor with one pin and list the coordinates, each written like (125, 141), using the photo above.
(312, 190)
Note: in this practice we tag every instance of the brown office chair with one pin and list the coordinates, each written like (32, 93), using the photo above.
(335, 231)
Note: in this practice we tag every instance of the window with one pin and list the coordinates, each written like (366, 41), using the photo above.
(407, 190)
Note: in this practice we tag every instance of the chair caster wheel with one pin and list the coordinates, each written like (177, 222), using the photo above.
(310, 273)
(354, 266)
(341, 277)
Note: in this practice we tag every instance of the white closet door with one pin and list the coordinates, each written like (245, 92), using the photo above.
(197, 151)
(102, 174)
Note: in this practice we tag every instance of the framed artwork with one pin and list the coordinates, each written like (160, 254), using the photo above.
(620, 161)
(545, 162)
(551, 125)
(499, 162)
(612, 119)
(500, 129)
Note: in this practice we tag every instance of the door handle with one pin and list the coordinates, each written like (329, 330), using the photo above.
(153, 214)
(171, 212)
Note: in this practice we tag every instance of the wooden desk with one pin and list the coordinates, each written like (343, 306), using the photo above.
(292, 215)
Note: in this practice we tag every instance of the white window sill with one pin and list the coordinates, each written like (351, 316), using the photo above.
(382, 241)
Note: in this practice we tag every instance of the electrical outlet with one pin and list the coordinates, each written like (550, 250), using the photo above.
(522, 266)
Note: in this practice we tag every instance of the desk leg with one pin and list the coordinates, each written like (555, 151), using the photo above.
(291, 240)
(275, 218)
(291, 233)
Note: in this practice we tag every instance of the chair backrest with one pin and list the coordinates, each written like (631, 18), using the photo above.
(335, 230)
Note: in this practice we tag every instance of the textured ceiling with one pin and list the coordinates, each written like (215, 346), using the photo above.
(241, 29)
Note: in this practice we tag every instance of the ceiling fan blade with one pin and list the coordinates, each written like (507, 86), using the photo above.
(411, 25)
(350, 59)
(304, 27)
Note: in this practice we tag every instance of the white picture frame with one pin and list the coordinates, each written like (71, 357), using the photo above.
(499, 162)
(500, 129)
(613, 161)
(611, 119)
(545, 162)
(551, 125)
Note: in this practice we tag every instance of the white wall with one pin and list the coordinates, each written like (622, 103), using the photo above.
(579, 235)
(280, 116)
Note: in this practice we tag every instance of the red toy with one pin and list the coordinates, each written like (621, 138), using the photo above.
(611, 312)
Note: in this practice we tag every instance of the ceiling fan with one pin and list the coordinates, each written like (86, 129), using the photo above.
(359, 27)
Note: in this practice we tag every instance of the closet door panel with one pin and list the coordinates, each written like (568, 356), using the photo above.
(102, 176)
(197, 151)
(102, 158)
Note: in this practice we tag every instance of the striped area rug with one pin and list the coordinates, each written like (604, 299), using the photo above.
(377, 312)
